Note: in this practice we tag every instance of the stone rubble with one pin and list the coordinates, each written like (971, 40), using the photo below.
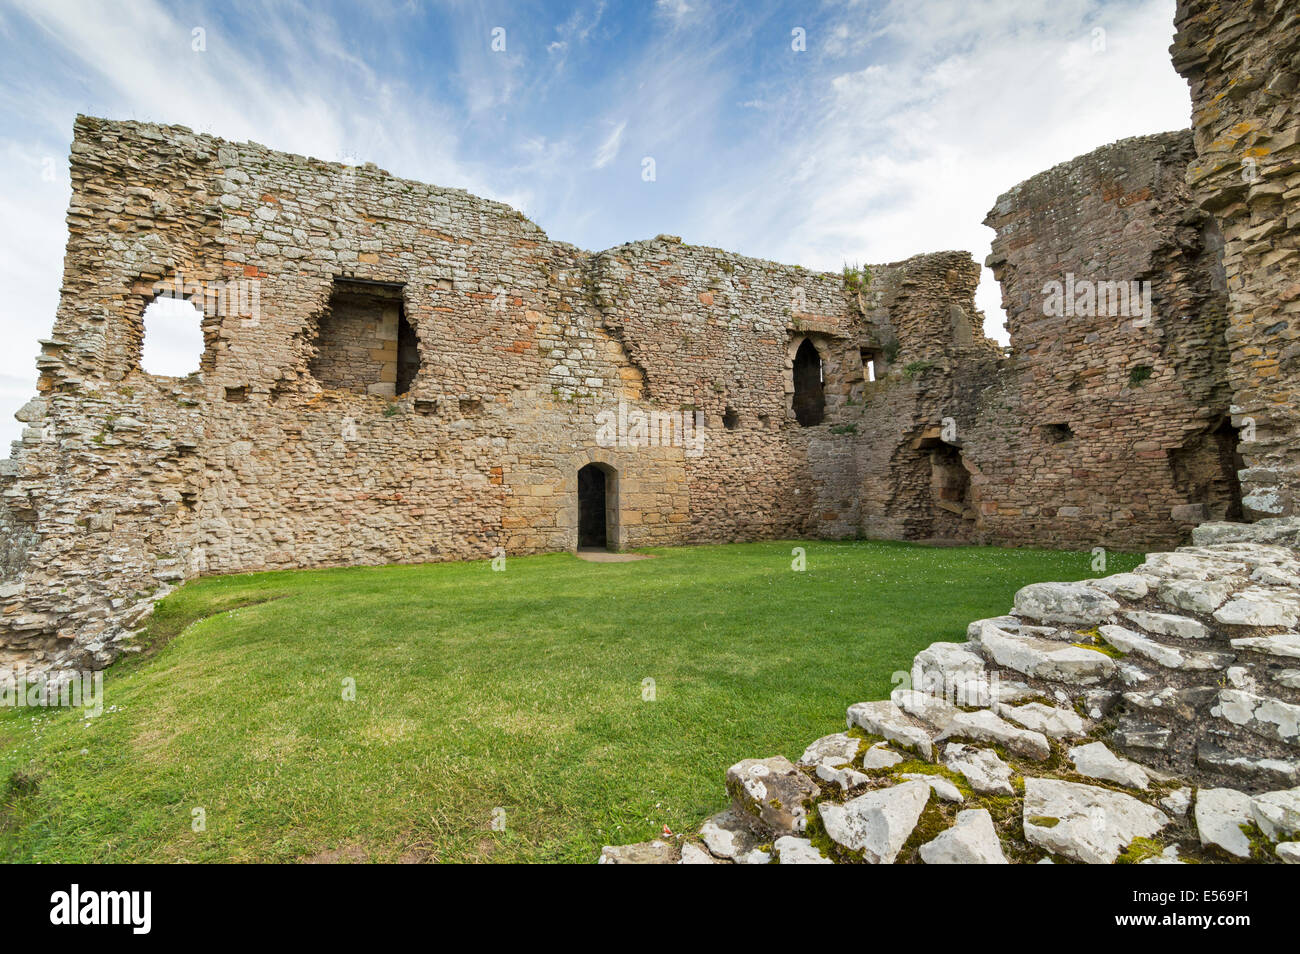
(1083, 766)
(972, 840)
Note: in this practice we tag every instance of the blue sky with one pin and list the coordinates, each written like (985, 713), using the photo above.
(891, 133)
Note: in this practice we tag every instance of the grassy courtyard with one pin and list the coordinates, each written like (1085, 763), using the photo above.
(477, 691)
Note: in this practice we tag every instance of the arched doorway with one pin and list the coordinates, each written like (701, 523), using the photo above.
(809, 393)
(594, 494)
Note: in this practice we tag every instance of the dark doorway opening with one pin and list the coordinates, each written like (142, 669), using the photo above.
(592, 529)
(1205, 470)
(1227, 439)
(809, 393)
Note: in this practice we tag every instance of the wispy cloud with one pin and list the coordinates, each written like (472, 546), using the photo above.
(675, 10)
(609, 148)
(955, 104)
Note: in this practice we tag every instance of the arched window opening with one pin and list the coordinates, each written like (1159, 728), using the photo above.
(809, 392)
(730, 418)
(173, 337)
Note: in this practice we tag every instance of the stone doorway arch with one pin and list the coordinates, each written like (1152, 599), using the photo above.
(598, 507)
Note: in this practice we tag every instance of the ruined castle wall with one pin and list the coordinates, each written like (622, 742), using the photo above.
(1107, 426)
(289, 447)
(304, 440)
(1242, 62)
(717, 333)
(923, 328)
(710, 332)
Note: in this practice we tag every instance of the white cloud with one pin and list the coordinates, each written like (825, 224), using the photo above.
(908, 155)
(675, 10)
(608, 150)
(173, 337)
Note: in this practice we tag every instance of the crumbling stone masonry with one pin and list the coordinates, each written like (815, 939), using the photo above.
(422, 380)
(1152, 716)
(1242, 62)
(396, 372)
(1109, 422)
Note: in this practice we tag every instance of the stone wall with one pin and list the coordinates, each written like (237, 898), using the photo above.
(1242, 62)
(1150, 717)
(933, 331)
(396, 372)
(1108, 423)
(291, 447)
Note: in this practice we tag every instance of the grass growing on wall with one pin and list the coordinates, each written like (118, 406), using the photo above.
(476, 691)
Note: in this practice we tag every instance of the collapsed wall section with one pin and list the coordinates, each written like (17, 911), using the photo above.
(1242, 62)
(1108, 423)
(735, 339)
(923, 328)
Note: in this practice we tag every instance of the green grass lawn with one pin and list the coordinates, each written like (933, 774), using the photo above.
(479, 690)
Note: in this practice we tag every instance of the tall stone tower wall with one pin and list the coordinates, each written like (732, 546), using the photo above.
(1109, 421)
(1242, 62)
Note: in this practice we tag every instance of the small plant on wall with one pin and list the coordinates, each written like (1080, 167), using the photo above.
(1138, 375)
(856, 278)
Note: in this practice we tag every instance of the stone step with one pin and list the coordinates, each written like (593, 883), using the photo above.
(1264, 716)
(1084, 822)
(1168, 624)
(1071, 603)
(887, 720)
(1045, 659)
(987, 726)
(1128, 641)
(1280, 644)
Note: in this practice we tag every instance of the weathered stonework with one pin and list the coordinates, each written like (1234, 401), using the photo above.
(1242, 62)
(462, 446)
(397, 372)
(1151, 716)
(1108, 423)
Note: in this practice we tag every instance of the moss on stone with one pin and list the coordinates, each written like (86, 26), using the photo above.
(1138, 850)
(935, 819)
